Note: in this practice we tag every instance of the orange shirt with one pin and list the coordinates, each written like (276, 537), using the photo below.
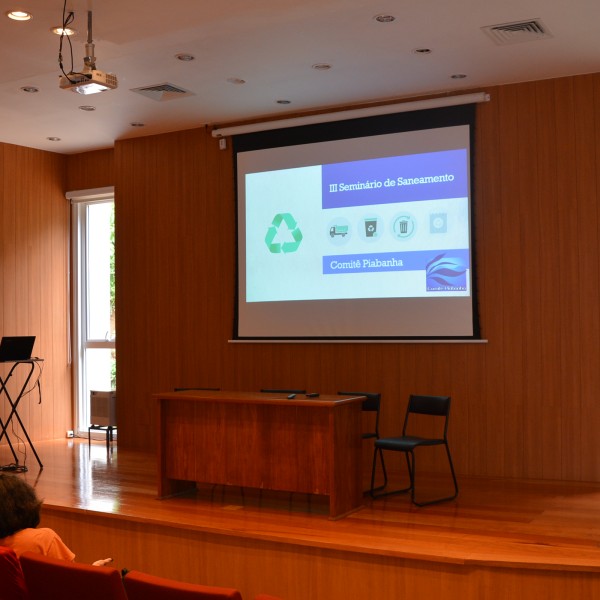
(40, 540)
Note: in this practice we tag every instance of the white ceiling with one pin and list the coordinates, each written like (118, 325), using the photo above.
(272, 45)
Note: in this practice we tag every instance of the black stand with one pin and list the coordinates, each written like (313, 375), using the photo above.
(109, 433)
(15, 404)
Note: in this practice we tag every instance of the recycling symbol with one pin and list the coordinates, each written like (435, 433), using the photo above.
(292, 228)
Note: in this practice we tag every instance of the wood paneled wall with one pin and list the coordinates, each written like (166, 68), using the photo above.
(34, 286)
(175, 240)
(90, 170)
(525, 403)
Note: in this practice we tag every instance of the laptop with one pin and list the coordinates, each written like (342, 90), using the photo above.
(15, 348)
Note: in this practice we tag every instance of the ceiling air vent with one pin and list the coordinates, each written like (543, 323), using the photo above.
(520, 31)
(162, 92)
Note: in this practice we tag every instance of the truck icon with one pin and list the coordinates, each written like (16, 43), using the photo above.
(338, 230)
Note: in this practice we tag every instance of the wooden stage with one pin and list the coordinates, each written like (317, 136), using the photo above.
(499, 539)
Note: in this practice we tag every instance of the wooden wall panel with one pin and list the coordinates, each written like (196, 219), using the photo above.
(174, 251)
(588, 292)
(34, 300)
(524, 402)
(485, 427)
(568, 276)
(548, 449)
(90, 170)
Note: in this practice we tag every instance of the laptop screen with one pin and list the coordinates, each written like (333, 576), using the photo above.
(15, 348)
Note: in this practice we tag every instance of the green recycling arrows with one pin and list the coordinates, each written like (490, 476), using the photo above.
(292, 226)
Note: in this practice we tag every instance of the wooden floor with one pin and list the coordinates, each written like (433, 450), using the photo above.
(509, 536)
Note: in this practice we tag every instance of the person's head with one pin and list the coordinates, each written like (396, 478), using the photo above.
(19, 505)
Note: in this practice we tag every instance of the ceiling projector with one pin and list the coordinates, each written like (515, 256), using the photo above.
(90, 82)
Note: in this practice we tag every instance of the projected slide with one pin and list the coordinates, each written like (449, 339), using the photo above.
(360, 231)
(392, 227)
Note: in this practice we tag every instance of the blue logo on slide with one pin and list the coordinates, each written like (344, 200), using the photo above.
(291, 231)
(446, 274)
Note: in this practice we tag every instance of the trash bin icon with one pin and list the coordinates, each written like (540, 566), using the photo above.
(371, 227)
(404, 226)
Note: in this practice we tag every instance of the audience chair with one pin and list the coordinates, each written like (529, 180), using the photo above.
(140, 586)
(282, 391)
(12, 582)
(55, 579)
(438, 409)
(372, 405)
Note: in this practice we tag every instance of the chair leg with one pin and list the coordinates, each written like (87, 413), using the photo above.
(452, 471)
(385, 476)
(373, 488)
(446, 498)
(411, 466)
(410, 462)
(383, 469)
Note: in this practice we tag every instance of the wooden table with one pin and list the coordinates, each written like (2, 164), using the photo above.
(266, 441)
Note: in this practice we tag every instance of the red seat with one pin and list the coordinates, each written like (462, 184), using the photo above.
(13, 583)
(55, 579)
(140, 586)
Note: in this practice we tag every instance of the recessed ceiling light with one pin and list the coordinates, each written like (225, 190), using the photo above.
(87, 108)
(283, 101)
(422, 50)
(458, 76)
(30, 89)
(19, 15)
(53, 139)
(236, 80)
(137, 124)
(384, 18)
(63, 30)
(321, 67)
(185, 57)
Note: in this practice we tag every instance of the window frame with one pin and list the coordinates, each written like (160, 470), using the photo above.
(80, 343)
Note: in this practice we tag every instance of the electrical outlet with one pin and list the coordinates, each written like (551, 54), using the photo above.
(70, 433)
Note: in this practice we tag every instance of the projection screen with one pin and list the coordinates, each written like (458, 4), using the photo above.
(360, 229)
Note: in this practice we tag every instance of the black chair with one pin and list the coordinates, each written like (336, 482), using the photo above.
(436, 407)
(281, 391)
(372, 405)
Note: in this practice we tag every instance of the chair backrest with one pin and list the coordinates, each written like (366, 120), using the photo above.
(188, 389)
(55, 579)
(140, 586)
(281, 391)
(435, 406)
(12, 582)
(371, 403)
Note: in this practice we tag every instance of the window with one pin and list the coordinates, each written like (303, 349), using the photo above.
(94, 357)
